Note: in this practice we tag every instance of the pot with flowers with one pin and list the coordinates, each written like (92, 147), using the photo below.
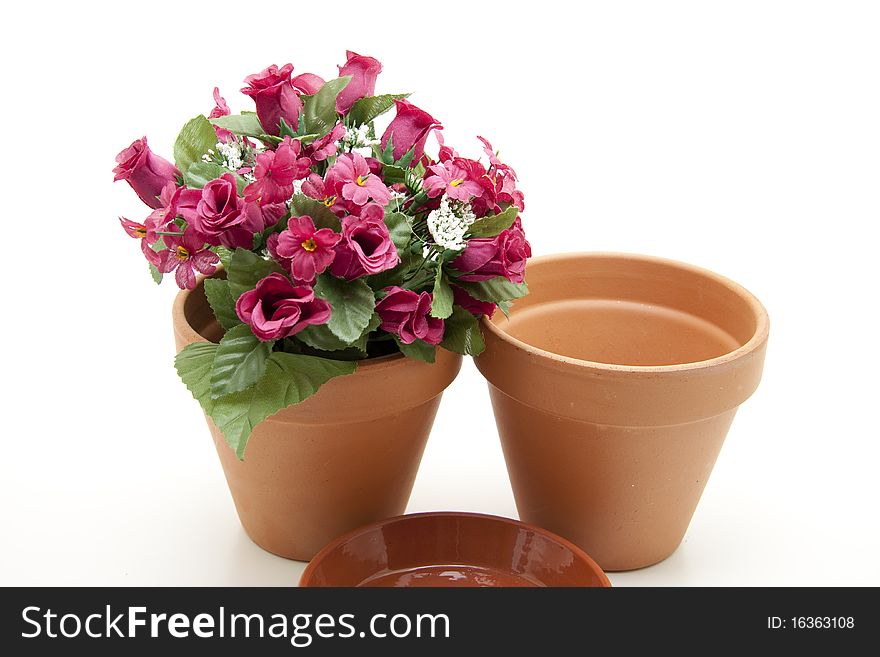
(332, 276)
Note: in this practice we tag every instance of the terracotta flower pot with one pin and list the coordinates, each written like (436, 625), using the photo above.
(345, 457)
(614, 384)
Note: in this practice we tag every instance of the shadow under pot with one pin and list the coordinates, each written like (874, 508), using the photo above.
(345, 457)
(614, 383)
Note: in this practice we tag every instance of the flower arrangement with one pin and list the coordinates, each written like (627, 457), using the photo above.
(336, 244)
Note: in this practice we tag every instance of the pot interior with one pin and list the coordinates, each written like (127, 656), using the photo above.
(630, 310)
(199, 315)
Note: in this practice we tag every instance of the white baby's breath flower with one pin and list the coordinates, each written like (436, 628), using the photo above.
(449, 223)
(231, 154)
(358, 137)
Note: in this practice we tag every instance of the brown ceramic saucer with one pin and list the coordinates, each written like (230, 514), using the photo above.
(452, 549)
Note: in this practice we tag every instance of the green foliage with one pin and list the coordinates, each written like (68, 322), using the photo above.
(239, 362)
(441, 305)
(288, 379)
(319, 111)
(246, 269)
(201, 173)
(492, 225)
(352, 302)
(371, 107)
(400, 229)
(195, 139)
(301, 205)
(462, 333)
(155, 273)
(220, 297)
(495, 289)
(246, 124)
(418, 350)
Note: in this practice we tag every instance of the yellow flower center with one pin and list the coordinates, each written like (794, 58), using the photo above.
(329, 201)
(182, 253)
(456, 182)
(362, 180)
(309, 245)
(140, 232)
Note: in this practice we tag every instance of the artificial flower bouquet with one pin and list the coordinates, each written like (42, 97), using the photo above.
(336, 245)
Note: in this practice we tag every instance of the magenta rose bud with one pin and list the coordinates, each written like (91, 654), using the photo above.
(366, 246)
(146, 172)
(502, 255)
(409, 129)
(220, 216)
(475, 307)
(407, 315)
(275, 97)
(277, 308)
(363, 71)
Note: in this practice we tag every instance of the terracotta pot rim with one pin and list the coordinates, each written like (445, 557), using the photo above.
(762, 320)
(189, 334)
(546, 533)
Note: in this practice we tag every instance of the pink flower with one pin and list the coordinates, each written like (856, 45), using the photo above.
(146, 233)
(406, 314)
(317, 188)
(275, 172)
(475, 307)
(220, 217)
(304, 251)
(452, 180)
(364, 71)
(499, 185)
(185, 256)
(275, 97)
(146, 172)
(277, 308)
(409, 129)
(220, 109)
(366, 246)
(502, 255)
(308, 83)
(262, 215)
(352, 179)
(320, 149)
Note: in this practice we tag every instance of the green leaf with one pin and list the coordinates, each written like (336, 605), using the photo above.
(441, 305)
(224, 254)
(289, 379)
(407, 158)
(301, 204)
(352, 302)
(462, 333)
(321, 337)
(367, 109)
(240, 361)
(319, 111)
(495, 289)
(393, 174)
(491, 226)
(400, 229)
(504, 307)
(418, 350)
(246, 124)
(200, 174)
(222, 303)
(156, 274)
(246, 269)
(193, 141)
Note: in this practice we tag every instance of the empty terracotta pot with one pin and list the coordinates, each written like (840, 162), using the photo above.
(345, 457)
(614, 383)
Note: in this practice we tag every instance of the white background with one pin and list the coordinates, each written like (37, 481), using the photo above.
(743, 137)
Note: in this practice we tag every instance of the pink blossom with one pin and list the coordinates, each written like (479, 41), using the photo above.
(303, 250)
(146, 172)
(219, 216)
(502, 255)
(275, 172)
(409, 130)
(317, 188)
(364, 71)
(146, 233)
(275, 97)
(366, 247)
(352, 179)
(277, 308)
(452, 180)
(308, 83)
(320, 149)
(475, 307)
(406, 314)
(220, 109)
(185, 256)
